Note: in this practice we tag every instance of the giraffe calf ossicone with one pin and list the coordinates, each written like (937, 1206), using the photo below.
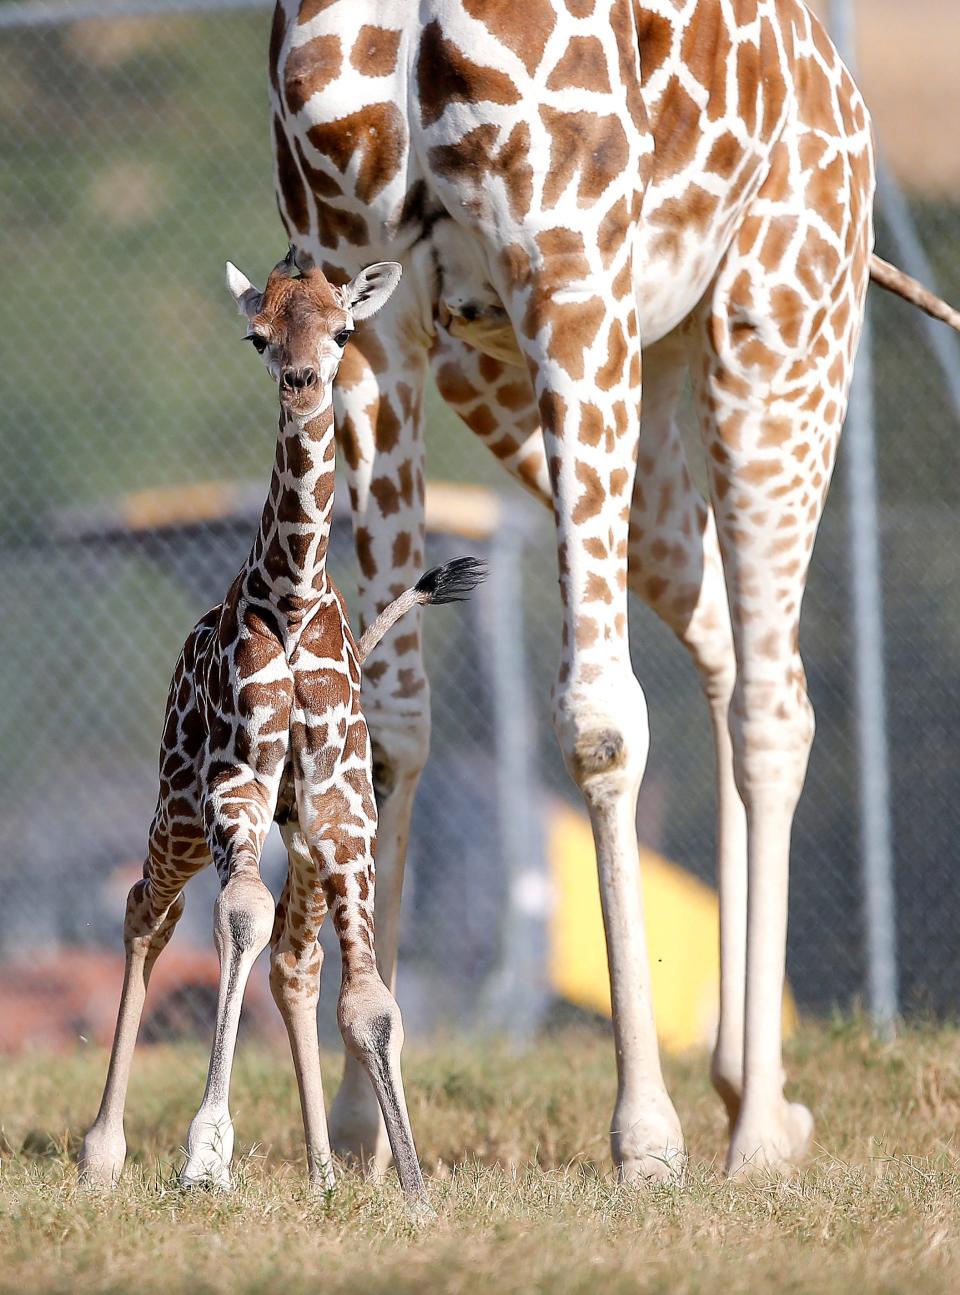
(263, 724)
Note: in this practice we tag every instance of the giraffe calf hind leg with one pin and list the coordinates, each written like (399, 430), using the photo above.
(296, 959)
(372, 1030)
(367, 1011)
(400, 741)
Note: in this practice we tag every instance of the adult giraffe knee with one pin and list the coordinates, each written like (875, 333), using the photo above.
(604, 736)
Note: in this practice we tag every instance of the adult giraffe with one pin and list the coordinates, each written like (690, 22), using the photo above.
(551, 211)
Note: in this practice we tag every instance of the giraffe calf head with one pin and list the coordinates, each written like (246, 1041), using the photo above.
(300, 324)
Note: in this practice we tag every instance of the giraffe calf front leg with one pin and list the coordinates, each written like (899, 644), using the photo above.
(243, 921)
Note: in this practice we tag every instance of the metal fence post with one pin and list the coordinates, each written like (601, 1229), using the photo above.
(518, 993)
(871, 705)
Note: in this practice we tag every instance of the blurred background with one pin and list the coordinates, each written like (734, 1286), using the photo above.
(136, 438)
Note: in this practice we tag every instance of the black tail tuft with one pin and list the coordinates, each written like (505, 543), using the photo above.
(453, 581)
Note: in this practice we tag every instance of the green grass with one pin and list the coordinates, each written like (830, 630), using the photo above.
(518, 1171)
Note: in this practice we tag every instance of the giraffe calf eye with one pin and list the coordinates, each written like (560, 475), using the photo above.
(343, 337)
(259, 343)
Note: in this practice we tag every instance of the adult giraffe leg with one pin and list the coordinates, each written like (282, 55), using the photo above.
(496, 400)
(585, 363)
(674, 567)
(296, 959)
(379, 424)
(772, 393)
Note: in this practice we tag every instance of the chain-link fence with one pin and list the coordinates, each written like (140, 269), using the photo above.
(135, 445)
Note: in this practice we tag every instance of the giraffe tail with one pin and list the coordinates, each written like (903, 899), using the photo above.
(450, 583)
(895, 281)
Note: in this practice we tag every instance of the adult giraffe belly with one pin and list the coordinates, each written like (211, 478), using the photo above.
(675, 263)
(668, 286)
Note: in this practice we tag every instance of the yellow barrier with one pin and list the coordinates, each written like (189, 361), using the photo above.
(682, 919)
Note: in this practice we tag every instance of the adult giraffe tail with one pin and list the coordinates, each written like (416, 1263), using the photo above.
(447, 584)
(894, 280)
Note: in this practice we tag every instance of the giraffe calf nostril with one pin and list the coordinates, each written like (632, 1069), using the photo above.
(298, 379)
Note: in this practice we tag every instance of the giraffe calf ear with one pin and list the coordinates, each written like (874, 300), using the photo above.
(243, 292)
(371, 289)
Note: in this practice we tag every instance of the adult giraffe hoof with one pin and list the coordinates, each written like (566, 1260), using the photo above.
(650, 1148)
(101, 1159)
(776, 1145)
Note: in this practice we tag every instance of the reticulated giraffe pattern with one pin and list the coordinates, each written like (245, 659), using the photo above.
(263, 724)
(593, 200)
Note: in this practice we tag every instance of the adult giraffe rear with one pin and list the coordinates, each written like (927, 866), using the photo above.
(551, 211)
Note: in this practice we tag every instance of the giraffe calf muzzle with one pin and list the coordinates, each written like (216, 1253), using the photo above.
(297, 380)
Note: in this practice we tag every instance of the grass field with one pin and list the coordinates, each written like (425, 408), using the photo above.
(519, 1176)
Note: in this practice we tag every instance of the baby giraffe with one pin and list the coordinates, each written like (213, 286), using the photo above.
(263, 724)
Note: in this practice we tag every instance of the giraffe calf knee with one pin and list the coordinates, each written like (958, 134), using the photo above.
(243, 916)
(369, 1020)
(149, 924)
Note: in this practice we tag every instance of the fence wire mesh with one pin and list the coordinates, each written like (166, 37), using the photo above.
(136, 157)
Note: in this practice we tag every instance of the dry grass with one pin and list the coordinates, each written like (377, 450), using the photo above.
(520, 1180)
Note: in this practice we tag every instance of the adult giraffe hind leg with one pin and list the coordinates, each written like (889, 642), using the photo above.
(674, 567)
(778, 338)
(585, 360)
